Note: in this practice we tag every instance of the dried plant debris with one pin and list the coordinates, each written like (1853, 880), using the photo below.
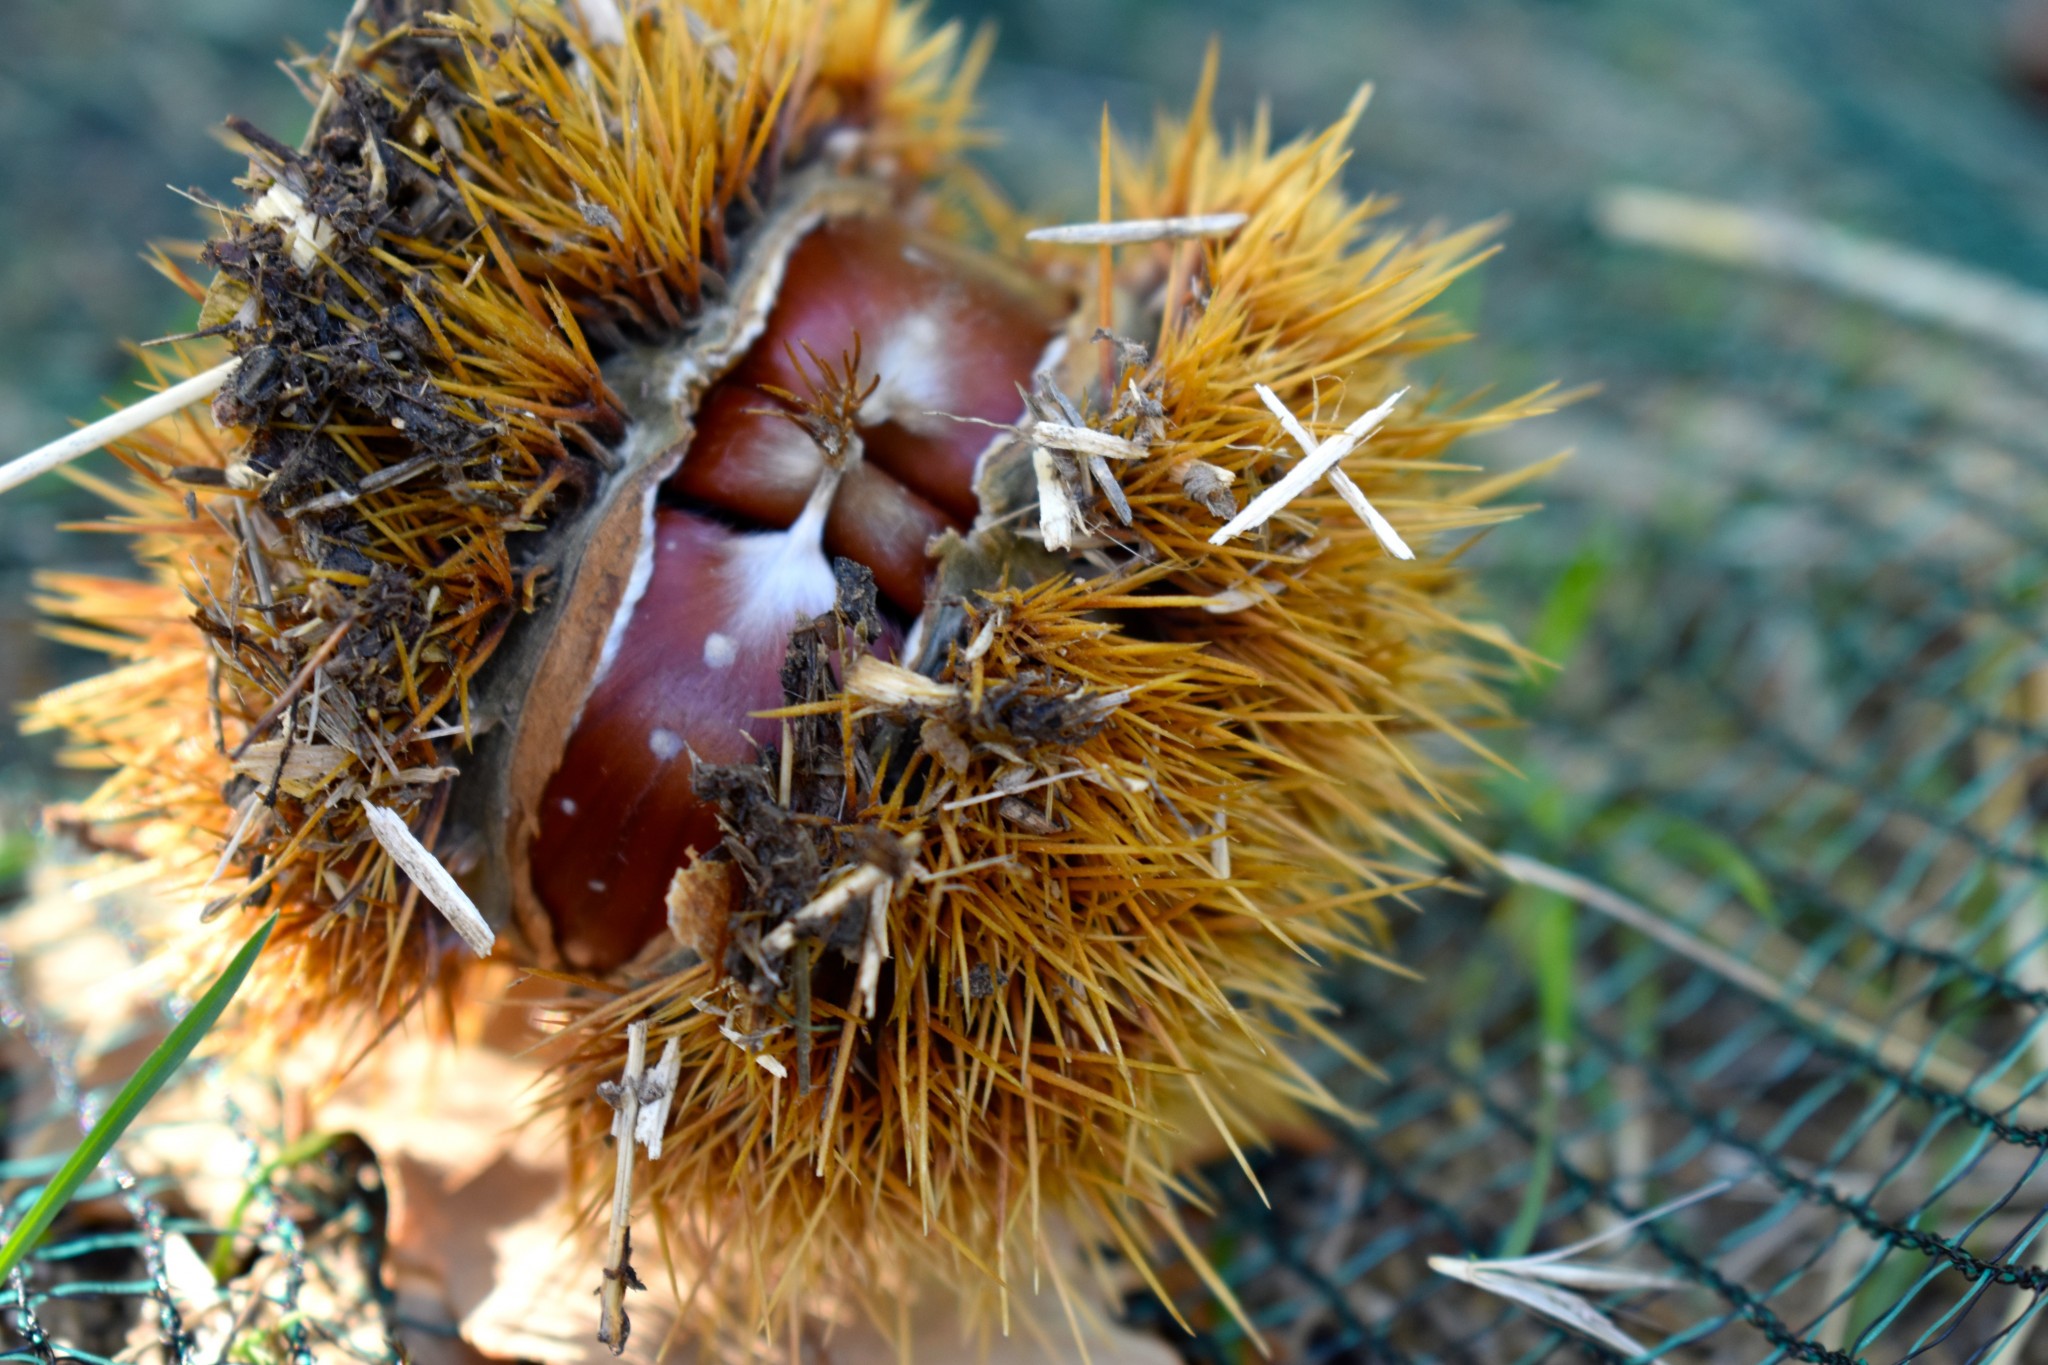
(807, 868)
(1028, 724)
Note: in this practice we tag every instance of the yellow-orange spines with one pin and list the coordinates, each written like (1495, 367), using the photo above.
(617, 170)
(1357, 652)
(1109, 938)
(1145, 790)
(414, 299)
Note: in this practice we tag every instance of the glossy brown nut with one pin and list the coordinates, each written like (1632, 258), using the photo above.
(939, 331)
(699, 655)
(949, 334)
(945, 334)
(760, 466)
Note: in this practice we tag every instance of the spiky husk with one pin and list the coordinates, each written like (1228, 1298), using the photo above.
(1087, 994)
(1093, 980)
(531, 191)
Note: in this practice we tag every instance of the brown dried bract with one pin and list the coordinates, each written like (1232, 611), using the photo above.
(786, 821)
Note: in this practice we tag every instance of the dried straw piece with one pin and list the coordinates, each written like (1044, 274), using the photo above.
(1135, 230)
(308, 235)
(431, 878)
(1319, 460)
(115, 426)
(889, 684)
(874, 950)
(1339, 480)
(1082, 440)
(613, 1325)
(604, 20)
(657, 1094)
(1059, 513)
(864, 880)
(1909, 283)
(1381, 527)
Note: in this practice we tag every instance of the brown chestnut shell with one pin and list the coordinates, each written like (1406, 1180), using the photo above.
(611, 691)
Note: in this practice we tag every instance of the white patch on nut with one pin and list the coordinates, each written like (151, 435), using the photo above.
(915, 374)
(719, 650)
(666, 744)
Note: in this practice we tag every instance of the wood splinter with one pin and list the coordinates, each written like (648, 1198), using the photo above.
(613, 1325)
(418, 862)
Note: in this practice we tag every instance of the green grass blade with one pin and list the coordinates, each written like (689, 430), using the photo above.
(1567, 612)
(141, 1088)
(1545, 922)
(222, 1262)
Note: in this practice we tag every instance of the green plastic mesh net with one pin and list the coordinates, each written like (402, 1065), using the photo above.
(123, 1273)
(1774, 929)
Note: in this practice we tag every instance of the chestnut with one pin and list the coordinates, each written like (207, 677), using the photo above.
(576, 359)
(912, 334)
